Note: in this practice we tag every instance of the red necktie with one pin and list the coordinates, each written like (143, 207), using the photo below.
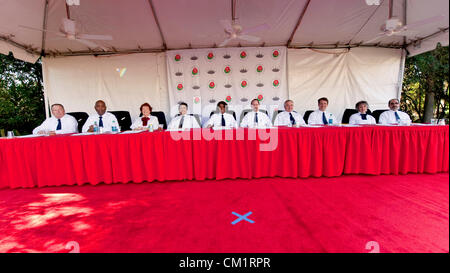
(145, 121)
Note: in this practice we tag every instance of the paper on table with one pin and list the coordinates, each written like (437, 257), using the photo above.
(83, 134)
(133, 132)
(28, 136)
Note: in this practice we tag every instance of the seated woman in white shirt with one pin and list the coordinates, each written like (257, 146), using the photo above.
(362, 117)
(221, 119)
(146, 120)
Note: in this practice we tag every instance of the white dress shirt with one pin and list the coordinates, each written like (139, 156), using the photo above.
(68, 125)
(188, 122)
(284, 119)
(107, 119)
(357, 119)
(388, 117)
(216, 120)
(316, 117)
(153, 121)
(249, 120)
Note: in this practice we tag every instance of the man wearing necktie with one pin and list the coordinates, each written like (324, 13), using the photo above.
(221, 118)
(320, 116)
(256, 118)
(103, 119)
(289, 117)
(394, 115)
(183, 120)
(58, 123)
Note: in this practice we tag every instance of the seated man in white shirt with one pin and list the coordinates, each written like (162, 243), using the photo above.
(103, 119)
(221, 119)
(393, 116)
(146, 120)
(59, 123)
(362, 117)
(183, 121)
(255, 118)
(321, 116)
(289, 117)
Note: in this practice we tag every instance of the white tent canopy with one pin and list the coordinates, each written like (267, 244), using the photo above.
(157, 25)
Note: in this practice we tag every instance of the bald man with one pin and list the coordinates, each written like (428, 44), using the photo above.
(103, 119)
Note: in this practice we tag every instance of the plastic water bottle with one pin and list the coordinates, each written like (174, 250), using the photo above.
(330, 120)
(114, 127)
(150, 127)
(95, 127)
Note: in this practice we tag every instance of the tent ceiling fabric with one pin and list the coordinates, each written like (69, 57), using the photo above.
(196, 24)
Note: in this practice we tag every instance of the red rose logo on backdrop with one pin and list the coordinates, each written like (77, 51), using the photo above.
(275, 53)
(210, 56)
(228, 98)
(276, 83)
(244, 83)
(212, 85)
(180, 87)
(227, 69)
(177, 57)
(194, 71)
(259, 69)
(196, 100)
(260, 97)
(243, 55)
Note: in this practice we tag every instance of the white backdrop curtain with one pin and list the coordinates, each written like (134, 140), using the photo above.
(344, 77)
(123, 82)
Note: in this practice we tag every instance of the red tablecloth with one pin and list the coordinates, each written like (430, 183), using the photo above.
(157, 156)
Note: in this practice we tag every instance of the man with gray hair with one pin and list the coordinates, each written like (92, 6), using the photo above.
(58, 123)
(289, 117)
(393, 116)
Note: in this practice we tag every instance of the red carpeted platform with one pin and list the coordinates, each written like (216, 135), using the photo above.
(407, 213)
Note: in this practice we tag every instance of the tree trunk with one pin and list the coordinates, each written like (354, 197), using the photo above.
(429, 107)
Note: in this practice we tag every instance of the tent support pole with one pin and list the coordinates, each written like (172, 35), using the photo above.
(300, 19)
(401, 74)
(150, 2)
(44, 27)
(365, 23)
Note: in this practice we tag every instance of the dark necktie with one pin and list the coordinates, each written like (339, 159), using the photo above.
(324, 119)
(145, 121)
(256, 117)
(397, 117)
(292, 119)
(181, 122)
(223, 121)
(59, 127)
(364, 116)
(100, 123)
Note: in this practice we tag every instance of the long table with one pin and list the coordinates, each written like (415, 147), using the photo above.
(161, 156)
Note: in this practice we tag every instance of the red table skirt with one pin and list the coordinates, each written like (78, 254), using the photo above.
(160, 156)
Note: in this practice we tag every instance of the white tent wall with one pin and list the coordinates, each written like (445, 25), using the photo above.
(123, 82)
(371, 74)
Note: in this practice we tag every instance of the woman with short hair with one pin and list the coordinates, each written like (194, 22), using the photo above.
(362, 117)
(145, 120)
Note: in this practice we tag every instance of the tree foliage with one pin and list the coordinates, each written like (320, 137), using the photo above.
(427, 73)
(21, 94)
